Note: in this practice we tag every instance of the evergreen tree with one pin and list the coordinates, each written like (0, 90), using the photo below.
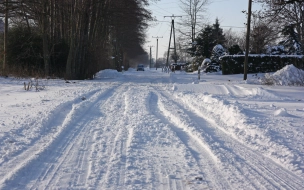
(207, 39)
(205, 42)
(217, 33)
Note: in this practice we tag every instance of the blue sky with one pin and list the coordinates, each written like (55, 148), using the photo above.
(229, 13)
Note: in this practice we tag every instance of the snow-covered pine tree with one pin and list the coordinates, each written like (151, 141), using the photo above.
(217, 33)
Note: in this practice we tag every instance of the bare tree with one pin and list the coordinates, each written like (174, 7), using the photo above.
(194, 10)
(286, 13)
(92, 30)
(263, 33)
(285, 2)
(232, 38)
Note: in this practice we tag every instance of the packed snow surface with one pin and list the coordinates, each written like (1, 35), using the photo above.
(151, 130)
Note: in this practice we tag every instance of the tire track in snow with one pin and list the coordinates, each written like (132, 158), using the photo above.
(257, 168)
(120, 163)
(109, 172)
(135, 111)
(44, 162)
(269, 169)
(38, 144)
(161, 170)
(158, 168)
(203, 156)
(200, 129)
(49, 125)
(77, 176)
(143, 166)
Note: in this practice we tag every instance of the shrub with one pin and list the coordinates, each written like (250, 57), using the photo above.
(24, 51)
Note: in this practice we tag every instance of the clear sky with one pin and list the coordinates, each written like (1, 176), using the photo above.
(229, 13)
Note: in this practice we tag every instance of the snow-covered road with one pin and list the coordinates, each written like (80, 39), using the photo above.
(151, 130)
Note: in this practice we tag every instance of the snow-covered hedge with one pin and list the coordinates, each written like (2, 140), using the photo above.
(234, 64)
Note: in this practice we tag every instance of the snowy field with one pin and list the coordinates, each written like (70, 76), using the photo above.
(152, 131)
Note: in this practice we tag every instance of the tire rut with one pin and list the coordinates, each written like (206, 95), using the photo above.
(234, 155)
(45, 160)
(110, 148)
(212, 178)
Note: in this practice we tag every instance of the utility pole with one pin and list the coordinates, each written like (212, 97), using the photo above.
(156, 49)
(150, 55)
(172, 31)
(247, 39)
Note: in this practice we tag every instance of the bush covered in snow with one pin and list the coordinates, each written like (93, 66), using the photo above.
(288, 76)
(213, 64)
(206, 62)
(195, 63)
(217, 52)
(212, 67)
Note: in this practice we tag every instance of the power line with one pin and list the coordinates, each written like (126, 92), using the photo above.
(158, 12)
(159, 28)
(167, 3)
(163, 9)
(166, 31)
(162, 21)
(234, 26)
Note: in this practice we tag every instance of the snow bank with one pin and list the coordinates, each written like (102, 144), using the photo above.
(288, 76)
(241, 123)
(108, 73)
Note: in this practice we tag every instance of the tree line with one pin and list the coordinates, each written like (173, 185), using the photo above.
(72, 38)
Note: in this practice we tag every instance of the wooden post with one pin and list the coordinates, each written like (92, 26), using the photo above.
(247, 40)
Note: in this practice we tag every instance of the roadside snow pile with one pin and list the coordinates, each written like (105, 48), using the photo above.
(235, 120)
(289, 75)
(108, 73)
